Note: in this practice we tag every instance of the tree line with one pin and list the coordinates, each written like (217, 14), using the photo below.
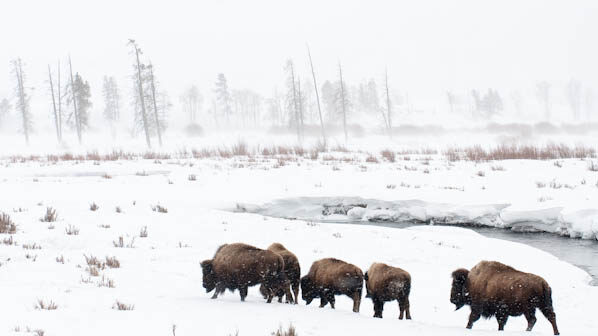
(301, 103)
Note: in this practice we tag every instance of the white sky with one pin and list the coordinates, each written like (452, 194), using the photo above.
(428, 45)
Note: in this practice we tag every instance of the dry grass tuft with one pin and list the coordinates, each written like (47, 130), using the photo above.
(93, 271)
(122, 306)
(159, 208)
(288, 332)
(121, 243)
(6, 224)
(106, 282)
(112, 262)
(93, 207)
(389, 155)
(143, 232)
(71, 230)
(9, 241)
(520, 152)
(371, 159)
(50, 216)
(33, 246)
(46, 306)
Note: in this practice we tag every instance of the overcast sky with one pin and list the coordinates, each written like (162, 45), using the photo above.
(427, 45)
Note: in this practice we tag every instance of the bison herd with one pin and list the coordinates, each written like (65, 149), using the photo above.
(490, 288)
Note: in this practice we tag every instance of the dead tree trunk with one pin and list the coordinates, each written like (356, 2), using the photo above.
(313, 73)
(295, 105)
(141, 95)
(158, 125)
(343, 101)
(22, 99)
(59, 104)
(301, 118)
(74, 94)
(389, 118)
(54, 104)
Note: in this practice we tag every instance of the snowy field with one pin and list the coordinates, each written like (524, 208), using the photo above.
(159, 275)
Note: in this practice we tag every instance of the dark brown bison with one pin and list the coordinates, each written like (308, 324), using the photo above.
(239, 266)
(386, 283)
(495, 289)
(330, 277)
(292, 271)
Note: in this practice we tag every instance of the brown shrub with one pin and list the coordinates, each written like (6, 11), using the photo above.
(388, 155)
(6, 224)
(122, 306)
(50, 216)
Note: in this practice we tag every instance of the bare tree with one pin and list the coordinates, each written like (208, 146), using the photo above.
(452, 100)
(57, 117)
(574, 97)
(223, 96)
(74, 101)
(22, 98)
(141, 95)
(543, 95)
(388, 105)
(343, 99)
(111, 101)
(192, 101)
(292, 96)
(313, 73)
(154, 103)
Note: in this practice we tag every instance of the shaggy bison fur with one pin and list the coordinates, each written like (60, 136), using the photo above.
(239, 266)
(495, 289)
(292, 271)
(386, 283)
(330, 277)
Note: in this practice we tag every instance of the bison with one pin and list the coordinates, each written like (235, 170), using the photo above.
(330, 277)
(292, 271)
(239, 266)
(495, 289)
(386, 283)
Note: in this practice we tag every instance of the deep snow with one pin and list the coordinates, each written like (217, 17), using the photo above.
(161, 276)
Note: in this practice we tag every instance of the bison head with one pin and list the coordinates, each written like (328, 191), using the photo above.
(308, 292)
(459, 290)
(209, 278)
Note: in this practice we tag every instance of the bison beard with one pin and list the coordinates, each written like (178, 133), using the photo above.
(239, 266)
(495, 289)
(330, 277)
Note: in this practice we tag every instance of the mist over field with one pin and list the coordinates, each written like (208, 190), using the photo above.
(244, 66)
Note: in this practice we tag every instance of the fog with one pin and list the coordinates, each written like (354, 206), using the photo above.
(428, 48)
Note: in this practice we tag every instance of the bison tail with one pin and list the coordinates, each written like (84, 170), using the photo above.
(547, 296)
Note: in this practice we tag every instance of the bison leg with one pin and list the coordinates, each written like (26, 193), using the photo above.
(243, 292)
(330, 298)
(288, 294)
(296, 292)
(502, 321)
(473, 316)
(323, 301)
(356, 301)
(404, 308)
(219, 290)
(531, 319)
(551, 316)
(378, 307)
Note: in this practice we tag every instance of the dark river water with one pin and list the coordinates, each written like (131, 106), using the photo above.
(582, 253)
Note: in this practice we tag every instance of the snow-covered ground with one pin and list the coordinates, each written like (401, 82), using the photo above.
(161, 276)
